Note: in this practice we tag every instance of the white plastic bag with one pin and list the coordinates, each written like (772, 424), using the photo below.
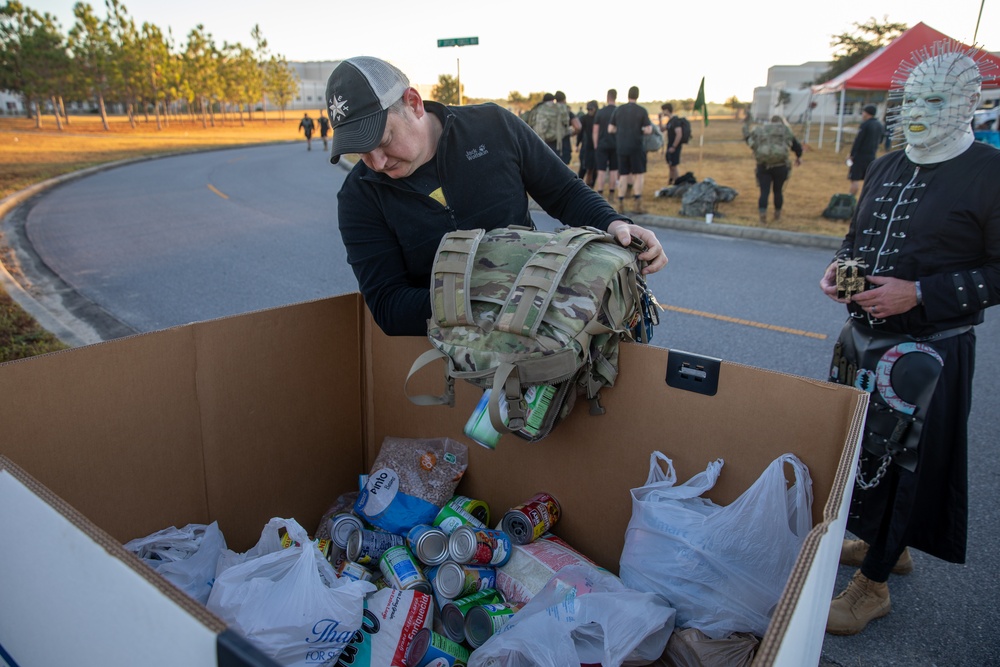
(288, 601)
(722, 568)
(584, 615)
(186, 557)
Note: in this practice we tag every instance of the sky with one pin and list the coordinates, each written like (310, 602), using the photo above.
(543, 45)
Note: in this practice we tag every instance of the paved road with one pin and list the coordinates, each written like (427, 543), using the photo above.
(183, 239)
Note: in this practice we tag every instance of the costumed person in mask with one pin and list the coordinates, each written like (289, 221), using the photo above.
(926, 237)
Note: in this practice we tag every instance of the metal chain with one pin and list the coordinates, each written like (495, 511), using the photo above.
(885, 460)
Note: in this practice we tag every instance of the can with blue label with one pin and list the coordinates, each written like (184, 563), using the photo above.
(454, 580)
(429, 649)
(402, 571)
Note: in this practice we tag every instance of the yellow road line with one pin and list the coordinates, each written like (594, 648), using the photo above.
(749, 323)
(216, 191)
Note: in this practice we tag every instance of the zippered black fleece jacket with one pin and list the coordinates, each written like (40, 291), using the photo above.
(488, 162)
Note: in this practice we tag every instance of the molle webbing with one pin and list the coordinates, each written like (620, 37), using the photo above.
(535, 285)
(452, 273)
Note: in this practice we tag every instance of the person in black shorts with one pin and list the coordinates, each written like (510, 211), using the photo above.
(324, 127)
(605, 149)
(672, 135)
(628, 123)
(586, 142)
(307, 125)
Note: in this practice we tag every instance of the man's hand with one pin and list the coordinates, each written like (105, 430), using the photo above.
(887, 296)
(653, 255)
(829, 283)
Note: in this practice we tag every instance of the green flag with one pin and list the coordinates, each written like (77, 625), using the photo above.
(700, 104)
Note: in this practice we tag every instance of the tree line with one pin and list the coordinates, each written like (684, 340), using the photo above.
(112, 61)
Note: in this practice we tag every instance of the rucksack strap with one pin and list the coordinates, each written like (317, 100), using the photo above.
(451, 300)
(507, 387)
(535, 285)
(448, 397)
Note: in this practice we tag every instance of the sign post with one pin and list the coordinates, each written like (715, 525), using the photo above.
(458, 41)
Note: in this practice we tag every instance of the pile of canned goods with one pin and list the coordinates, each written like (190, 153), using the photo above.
(455, 559)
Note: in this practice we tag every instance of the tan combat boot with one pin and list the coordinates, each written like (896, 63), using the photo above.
(763, 215)
(852, 552)
(861, 602)
(621, 205)
(637, 205)
(777, 214)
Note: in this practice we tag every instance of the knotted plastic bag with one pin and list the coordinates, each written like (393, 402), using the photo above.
(288, 601)
(186, 557)
(722, 567)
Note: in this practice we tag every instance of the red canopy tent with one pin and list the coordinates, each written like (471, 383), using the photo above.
(875, 71)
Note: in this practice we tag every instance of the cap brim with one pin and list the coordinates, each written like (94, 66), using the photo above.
(360, 136)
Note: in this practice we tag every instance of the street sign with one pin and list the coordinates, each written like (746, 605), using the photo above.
(459, 41)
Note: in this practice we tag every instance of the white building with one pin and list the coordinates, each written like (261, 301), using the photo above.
(312, 84)
(796, 81)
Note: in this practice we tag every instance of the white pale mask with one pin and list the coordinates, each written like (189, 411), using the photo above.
(939, 98)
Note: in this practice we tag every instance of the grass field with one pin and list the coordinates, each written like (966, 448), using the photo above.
(30, 155)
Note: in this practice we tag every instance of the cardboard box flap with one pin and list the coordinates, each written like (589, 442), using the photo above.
(237, 417)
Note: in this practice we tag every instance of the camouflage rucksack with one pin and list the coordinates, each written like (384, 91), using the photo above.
(770, 144)
(515, 308)
(550, 120)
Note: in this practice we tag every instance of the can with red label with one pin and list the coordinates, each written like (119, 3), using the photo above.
(483, 621)
(453, 580)
(453, 613)
(529, 521)
(367, 546)
(479, 546)
(401, 570)
(428, 543)
(429, 649)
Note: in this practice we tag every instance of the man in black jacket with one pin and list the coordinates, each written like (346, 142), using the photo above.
(426, 169)
(864, 147)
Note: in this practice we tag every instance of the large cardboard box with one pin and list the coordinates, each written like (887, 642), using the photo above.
(275, 413)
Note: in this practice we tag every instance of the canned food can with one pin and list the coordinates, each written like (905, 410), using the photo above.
(354, 571)
(401, 570)
(477, 508)
(453, 580)
(428, 543)
(341, 525)
(429, 649)
(453, 613)
(483, 621)
(532, 519)
(452, 516)
(367, 546)
(479, 546)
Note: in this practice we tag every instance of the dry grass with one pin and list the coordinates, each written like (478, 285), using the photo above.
(29, 155)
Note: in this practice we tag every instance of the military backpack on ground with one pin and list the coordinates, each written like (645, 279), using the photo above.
(515, 308)
(841, 207)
